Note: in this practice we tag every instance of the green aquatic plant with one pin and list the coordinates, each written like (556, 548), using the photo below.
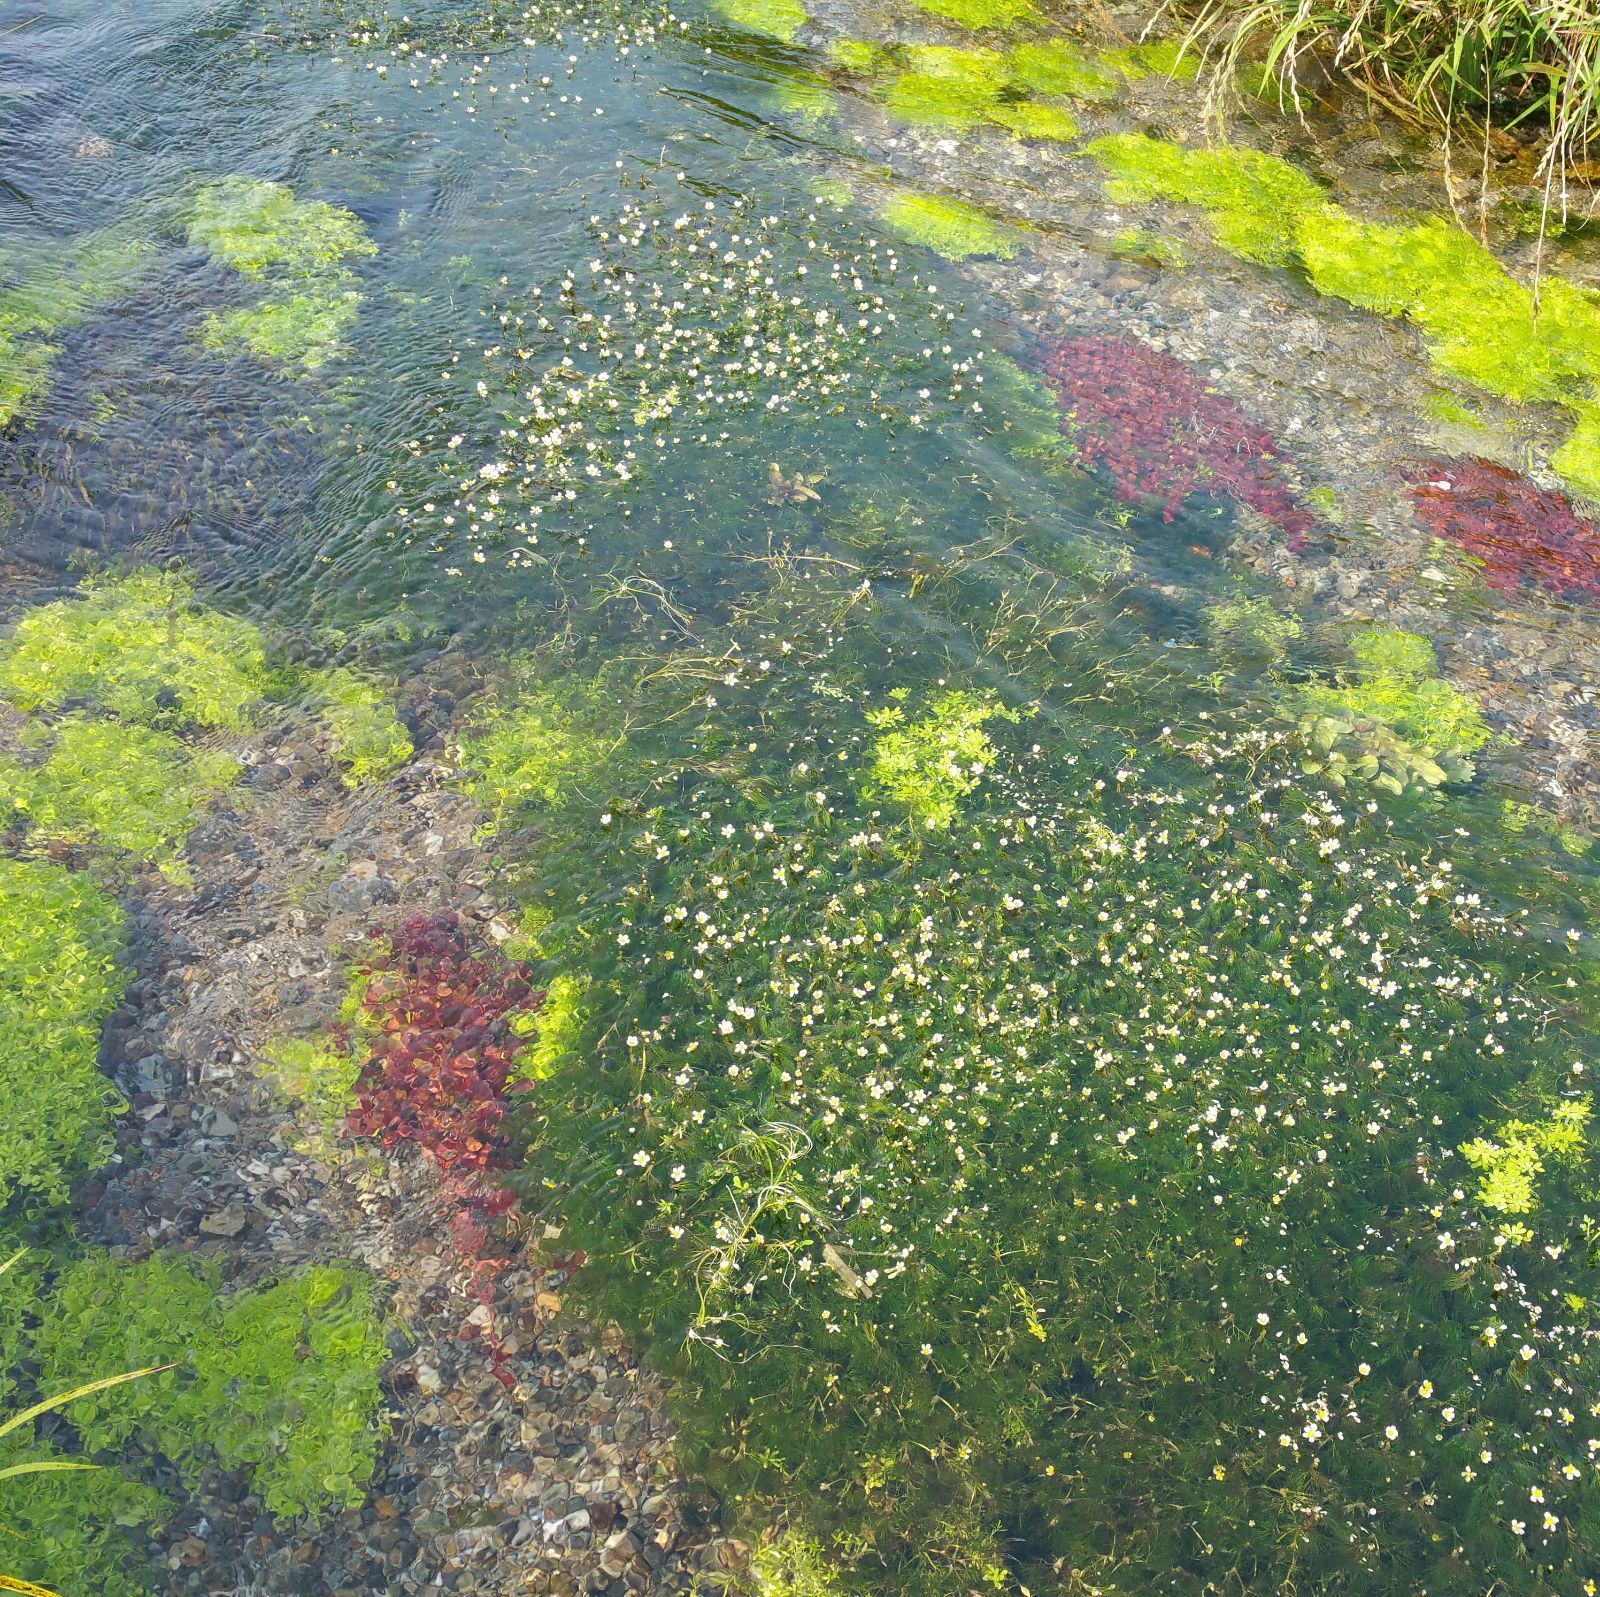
(1395, 722)
(1482, 326)
(133, 789)
(928, 765)
(56, 294)
(1027, 414)
(554, 1029)
(533, 748)
(1167, 58)
(61, 974)
(317, 1072)
(1509, 1165)
(1251, 625)
(950, 228)
(368, 739)
(794, 1564)
(1253, 201)
(281, 1381)
(1139, 244)
(1058, 67)
(140, 648)
(1032, 121)
(984, 14)
(776, 19)
(947, 87)
(859, 56)
(256, 226)
(297, 249)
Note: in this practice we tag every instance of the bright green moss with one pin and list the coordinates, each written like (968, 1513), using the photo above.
(927, 100)
(255, 226)
(1578, 459)
(283, 1382)
(137, 647)
(949, 227)
(991, 14)
(1030, 121)
(1254, 201)
(860, 56)
(300, 328)
(318, 1073)
(556, 1027)
(1166, 58)
(929, 765)
(1509, 1166)
(776, 19)
(1393, 722)
(60, 976)
(1056, 67)
(369, 740)
(134, 789)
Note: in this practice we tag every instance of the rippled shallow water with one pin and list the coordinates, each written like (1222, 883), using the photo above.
(898, 797)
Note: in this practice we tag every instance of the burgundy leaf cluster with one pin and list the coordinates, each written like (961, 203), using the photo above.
(1148, 421)
(442, 1051)
(1523, 534)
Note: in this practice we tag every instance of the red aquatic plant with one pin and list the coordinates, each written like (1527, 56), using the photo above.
(1520, 532)
(438, 1019)
(1149, 422)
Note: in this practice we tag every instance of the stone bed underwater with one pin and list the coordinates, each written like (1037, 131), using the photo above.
(1039, 956)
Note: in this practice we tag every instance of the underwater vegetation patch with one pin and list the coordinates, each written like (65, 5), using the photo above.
(776, 19)
(368, 738)
(1146, 419)
(1522, 535)
(928, 764)
(132, 789)
(140, 648)
(281, 1381)
(61, 974)
(1482, 326)
(950, 228)
(55, 295)
(1091, 1162)
(1395, 723)
(1510, 1163)
(982, 14)
(1058, 67)
(297, 249)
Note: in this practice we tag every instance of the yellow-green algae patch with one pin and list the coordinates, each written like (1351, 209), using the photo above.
(775, 19)
(982, 14)
(140, 648)
(1481, 324)
(298, 249)
(950, 228)
(51, 298)
(944, 86)
(1057, 67)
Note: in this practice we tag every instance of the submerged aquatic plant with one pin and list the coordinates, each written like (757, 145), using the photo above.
(298, 249)
(368, 739)
(1510, 1163)
(950, 228)
(928, 765)
(1482, 325)
(61, 974)
(986, 14)
(1521, 534)
(777, 19)
(141, 648)
(1395, 723)
(1161, 435)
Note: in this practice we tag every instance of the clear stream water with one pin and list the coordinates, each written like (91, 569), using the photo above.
(823, 485)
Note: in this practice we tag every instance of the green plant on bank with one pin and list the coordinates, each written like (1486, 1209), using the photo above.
(1450, 64)
(1395, 723)
(61, 974)
(53, 296)
(950, 228)
(133, 790)
(1482, 326)
(280, 1381)
(928, 765)
(298, 251)
(368, 739)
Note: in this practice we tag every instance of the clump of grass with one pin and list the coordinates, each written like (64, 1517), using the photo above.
(950, 228)
(1450, 64)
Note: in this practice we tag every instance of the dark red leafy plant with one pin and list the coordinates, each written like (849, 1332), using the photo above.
(439, 1022)
(1147, 421)
(1523, 535)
